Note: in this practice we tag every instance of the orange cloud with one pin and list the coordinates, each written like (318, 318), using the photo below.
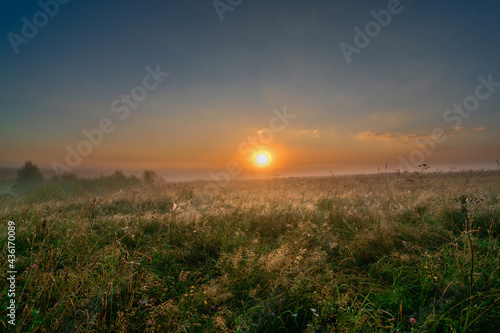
(413, 137)
(316, 131)
(368, 135)
(456, 131)
(388, 136)
(400, 138)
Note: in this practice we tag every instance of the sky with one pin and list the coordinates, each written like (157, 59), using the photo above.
(194, 89)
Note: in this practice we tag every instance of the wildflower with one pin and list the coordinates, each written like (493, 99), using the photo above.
(313, 310)
(413, 321)
(33, 266)
(295, 315)
(392, 320)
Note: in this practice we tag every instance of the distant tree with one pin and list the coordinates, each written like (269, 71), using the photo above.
(149, 176)
(65, 177)
(69, 177)
(117, 180)
(29, 175)
(424, 167)
(118, 176)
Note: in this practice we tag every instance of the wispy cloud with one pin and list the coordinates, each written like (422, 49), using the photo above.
(311, 132)
(413, 137)
(457, 131)
(391, 137)
(402, 138)
(308, 131)
(382, 136)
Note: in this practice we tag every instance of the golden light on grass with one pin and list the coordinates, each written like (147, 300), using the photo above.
(306, 226)
(262, 158)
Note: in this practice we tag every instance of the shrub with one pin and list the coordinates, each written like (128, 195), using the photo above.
(29, 175)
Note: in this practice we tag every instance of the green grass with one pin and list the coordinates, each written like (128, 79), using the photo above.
(344, 254)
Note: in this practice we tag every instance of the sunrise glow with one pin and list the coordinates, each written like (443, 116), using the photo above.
(262, 159)
(195, 88)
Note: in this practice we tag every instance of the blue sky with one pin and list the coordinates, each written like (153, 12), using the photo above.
(226, 77)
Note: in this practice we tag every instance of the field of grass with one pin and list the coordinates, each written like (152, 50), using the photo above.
(375, 253)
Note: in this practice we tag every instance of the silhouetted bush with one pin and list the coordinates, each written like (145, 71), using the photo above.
(29, 176)
(149, 176)
(118, 181)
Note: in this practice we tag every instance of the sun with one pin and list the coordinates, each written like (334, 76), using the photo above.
(262, 158)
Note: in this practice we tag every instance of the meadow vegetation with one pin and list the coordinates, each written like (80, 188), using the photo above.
(367, 253)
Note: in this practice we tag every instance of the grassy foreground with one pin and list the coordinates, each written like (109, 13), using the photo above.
(378, 253)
